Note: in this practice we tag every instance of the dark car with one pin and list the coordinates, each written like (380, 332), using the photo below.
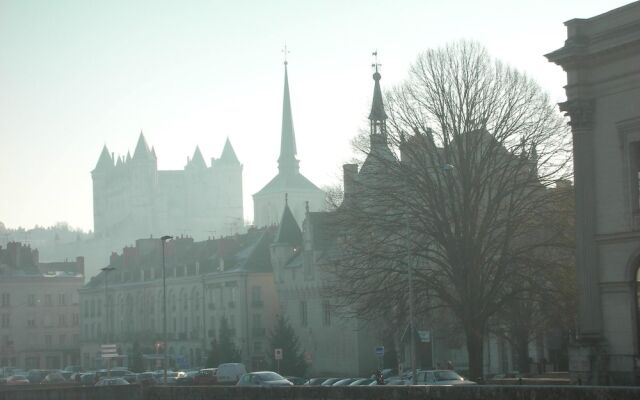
(263, 378)
(146, 378)
(88, 379)
(206, 376)
(111, 382)
(37, 375)
(296, 380)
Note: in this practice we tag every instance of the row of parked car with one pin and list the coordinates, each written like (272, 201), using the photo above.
(423, 377)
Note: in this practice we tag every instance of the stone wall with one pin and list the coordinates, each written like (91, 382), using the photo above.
(488, 392)
(130, 392)
(395, 393)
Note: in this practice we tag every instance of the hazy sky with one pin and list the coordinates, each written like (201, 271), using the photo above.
(75, 75)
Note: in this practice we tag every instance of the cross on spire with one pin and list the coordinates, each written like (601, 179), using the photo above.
(285, 51)
(375, 60)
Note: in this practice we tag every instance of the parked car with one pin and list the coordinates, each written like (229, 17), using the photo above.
(263, 378)
(186, 379)
(88, 379)
(330, 381)
(111, 382)
(344, 382)
(37, 375)
(206, 376)
(441, 377)
(315, 381)
(53, 378)
(296, 380)
(146, 378)
(17, 380)
(131, 378)
(73, 368)
(230, 373)
(362, 382)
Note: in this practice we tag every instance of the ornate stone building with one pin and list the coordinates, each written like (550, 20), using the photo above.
(229, 277)
(602, 59)
(39, 309)
(289, 181)
(133, 199)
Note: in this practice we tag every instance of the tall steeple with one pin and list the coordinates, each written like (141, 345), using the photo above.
(287, 162)
(377, 117)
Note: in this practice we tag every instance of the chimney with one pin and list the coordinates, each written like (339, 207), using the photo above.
(80, 265)
(113, 257)
(350, 172)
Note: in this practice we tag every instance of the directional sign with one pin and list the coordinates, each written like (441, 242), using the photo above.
(109, 350)
(278, 354)
(380, 351)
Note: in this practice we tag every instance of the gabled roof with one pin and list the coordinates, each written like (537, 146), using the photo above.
(288, 232)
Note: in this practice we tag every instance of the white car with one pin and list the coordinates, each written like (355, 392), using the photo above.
(230, 373)
(441, 377)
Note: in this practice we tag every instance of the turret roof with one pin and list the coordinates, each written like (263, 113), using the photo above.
(228, 155)
(105, 162)
(288, 232)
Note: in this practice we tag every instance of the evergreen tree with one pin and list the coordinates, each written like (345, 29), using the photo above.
(283, 337)
(228, 352)
(137, 362)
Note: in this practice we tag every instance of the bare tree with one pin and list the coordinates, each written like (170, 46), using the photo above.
(455, 184)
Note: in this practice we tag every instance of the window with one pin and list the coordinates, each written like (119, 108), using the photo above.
(62, 320)
(31, 300)
(303, 313)
(86, 308)
(75, 319)
(326, 313)
(256, 296)
(47, 340)
(6, 321)
(48, 300)
(6, 299)
(31, 323)
(62, 300)
(99, 308)
(258, 330)
(63, 340)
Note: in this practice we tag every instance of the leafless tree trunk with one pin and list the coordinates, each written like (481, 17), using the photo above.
(474, 148)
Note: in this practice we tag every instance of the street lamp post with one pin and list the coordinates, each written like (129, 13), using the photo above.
(164, 308)
(106, 271)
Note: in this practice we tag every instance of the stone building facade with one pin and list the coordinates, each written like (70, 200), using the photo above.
(602, 59)
(39, 309)
(133, 199)
(229, 277)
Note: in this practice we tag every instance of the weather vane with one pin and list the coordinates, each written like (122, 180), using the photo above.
(285, 51)
(375, 60)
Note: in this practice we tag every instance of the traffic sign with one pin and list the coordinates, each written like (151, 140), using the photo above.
(278, 354)
(380, 351)
(109, 350)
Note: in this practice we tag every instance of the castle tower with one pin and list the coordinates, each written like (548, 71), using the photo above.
(267, 202)
(228, 171)
(101, 175)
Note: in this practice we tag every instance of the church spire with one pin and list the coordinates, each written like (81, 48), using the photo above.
(287, 162)
(378, 116)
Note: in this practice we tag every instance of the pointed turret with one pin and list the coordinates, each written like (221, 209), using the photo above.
(128, 156)
(228, 155)
(377, 116)
(288, 232)
(197, 161)
(105, 161)
(287, 162)
(142, 151)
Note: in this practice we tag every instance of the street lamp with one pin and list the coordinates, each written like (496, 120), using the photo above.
(106, 271)
(164, 306)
